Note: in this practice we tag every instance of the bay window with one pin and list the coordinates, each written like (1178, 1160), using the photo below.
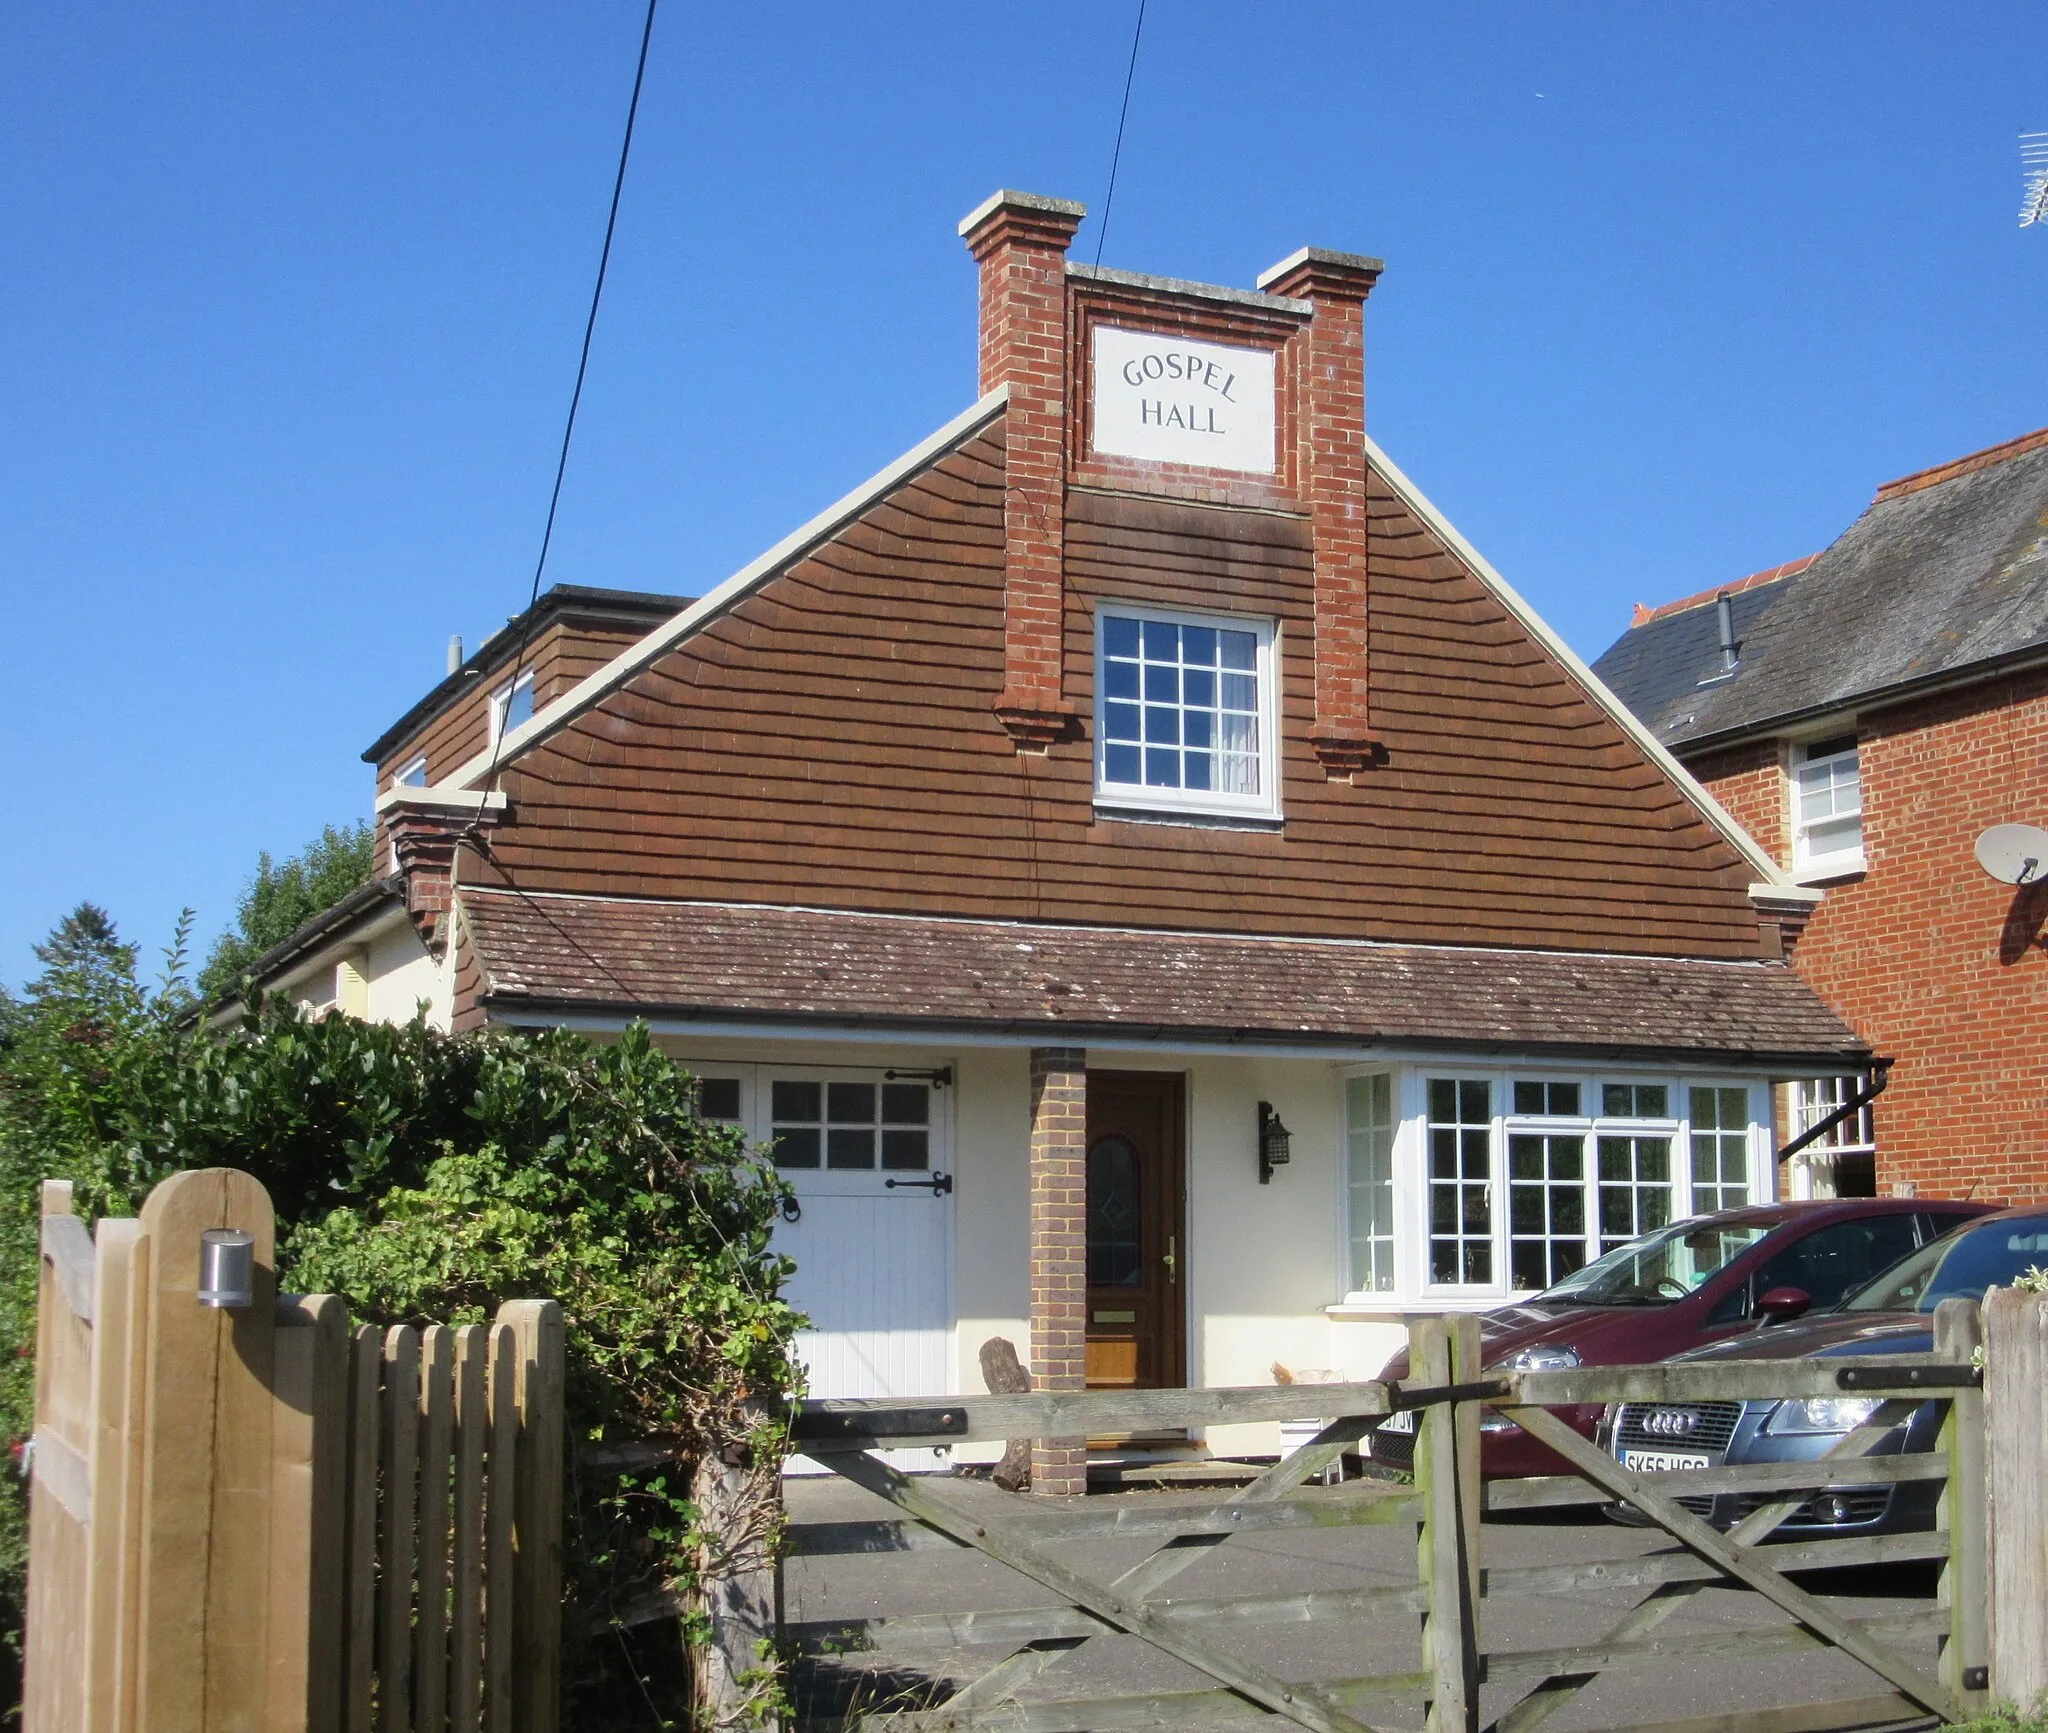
(1475, 1187)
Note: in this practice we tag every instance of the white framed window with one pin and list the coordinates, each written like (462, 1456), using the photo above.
(835, 1127)
(1371, 1122)
(1460, 1182)
(1814, 1098)
(1506, 1184)
(1827, 808)
(1186, 713)
(511, 705)
(1719, 1118)
(413, 775)
(1546, 1182)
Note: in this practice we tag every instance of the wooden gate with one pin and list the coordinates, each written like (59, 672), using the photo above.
(1453, 1665)
(250, 1518)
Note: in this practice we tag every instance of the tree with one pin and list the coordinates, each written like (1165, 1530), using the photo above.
(284, 896)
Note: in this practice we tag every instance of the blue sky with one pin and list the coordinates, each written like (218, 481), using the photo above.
(290, 299)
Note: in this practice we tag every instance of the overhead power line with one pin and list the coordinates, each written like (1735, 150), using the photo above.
(1123, 114)
(604, 259)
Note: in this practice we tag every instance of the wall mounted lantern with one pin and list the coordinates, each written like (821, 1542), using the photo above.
(1274, 1139)
(227, 1268)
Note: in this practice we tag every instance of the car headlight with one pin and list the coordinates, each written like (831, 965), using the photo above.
(1822, 1414)
(1539, 1357)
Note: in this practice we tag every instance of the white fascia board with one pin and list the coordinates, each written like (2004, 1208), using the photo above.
(441, 798)
(636, 656)
(1768, 870)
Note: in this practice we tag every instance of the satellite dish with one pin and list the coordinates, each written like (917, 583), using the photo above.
(2014, 853)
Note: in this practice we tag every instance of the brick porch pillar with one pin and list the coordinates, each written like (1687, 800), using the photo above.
(1059, 1251)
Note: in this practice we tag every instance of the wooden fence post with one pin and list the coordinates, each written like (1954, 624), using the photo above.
(2015, 1424)
(204, 1598)
(1965, 1584)
(537, 1517)
(307, 1513)
(60, 1513)
(739, 1506)
(1446, 1351)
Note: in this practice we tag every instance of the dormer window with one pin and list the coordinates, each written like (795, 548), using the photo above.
(511, 705)
(1827, 808)
(1185, 714)
(413, 775)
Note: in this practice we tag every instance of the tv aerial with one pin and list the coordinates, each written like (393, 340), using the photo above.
(2034, 178)
(2014, 854)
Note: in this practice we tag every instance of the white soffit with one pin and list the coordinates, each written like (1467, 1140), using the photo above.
(793, 546)
(1775, 883)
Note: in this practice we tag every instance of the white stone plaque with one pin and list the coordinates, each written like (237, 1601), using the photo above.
(1175, 400)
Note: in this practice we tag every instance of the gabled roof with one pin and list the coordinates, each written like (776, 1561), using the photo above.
(631, 607)
(956, 432)
(1944, 577)
(554, 956)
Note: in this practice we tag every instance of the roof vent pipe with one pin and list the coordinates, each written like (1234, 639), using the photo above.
(1724, 611)
(455, 653)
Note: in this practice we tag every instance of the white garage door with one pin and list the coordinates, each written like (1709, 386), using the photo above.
(868, 1153)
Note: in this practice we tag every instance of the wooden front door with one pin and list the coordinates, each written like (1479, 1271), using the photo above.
(1137, 1240)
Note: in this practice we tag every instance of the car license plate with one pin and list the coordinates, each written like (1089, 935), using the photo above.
(1662, 1461)
(1403, 1421)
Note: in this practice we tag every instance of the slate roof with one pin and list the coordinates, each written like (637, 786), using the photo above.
(1946, 574)
(828, 969)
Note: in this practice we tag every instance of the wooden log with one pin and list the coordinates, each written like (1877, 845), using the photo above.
(1965, 1576)
(359, 1594)
(466, 1624)
(396, 1531)
(537, 1516)
(430, 1626)
(1004, 1375)
(2015, 1366)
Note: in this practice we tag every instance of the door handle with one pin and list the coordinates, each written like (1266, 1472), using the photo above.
(938, 1185)
(1171, 1262)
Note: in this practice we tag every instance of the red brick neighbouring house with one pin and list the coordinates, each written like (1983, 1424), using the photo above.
(1866, 714)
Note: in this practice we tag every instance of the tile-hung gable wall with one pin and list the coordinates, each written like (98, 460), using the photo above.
(832, 737)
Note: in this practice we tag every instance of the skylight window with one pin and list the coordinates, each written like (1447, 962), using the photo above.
(1184, 714)
(511, 705)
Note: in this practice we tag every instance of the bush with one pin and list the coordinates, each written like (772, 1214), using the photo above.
(426, 1178)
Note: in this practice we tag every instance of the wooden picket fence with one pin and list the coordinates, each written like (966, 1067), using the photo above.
(255, 1520)
(1991, 1529)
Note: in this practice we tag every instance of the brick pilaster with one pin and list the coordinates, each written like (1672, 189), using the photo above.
(424, 836)
(1020, 241)
(1331, 422)
(1059, 1251)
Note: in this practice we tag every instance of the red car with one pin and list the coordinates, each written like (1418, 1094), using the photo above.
(1703, 1280)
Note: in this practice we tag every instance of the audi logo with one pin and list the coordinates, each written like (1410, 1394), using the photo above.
(1670, 1422)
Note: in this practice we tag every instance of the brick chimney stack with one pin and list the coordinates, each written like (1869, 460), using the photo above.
(1331, 465)
(1020, 241)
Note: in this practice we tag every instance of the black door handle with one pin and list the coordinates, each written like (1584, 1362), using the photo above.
(938, 1185)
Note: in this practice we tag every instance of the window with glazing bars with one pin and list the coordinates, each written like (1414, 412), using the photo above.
(1460, 1180)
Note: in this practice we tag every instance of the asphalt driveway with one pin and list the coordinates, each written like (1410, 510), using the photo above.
(931, 1580)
